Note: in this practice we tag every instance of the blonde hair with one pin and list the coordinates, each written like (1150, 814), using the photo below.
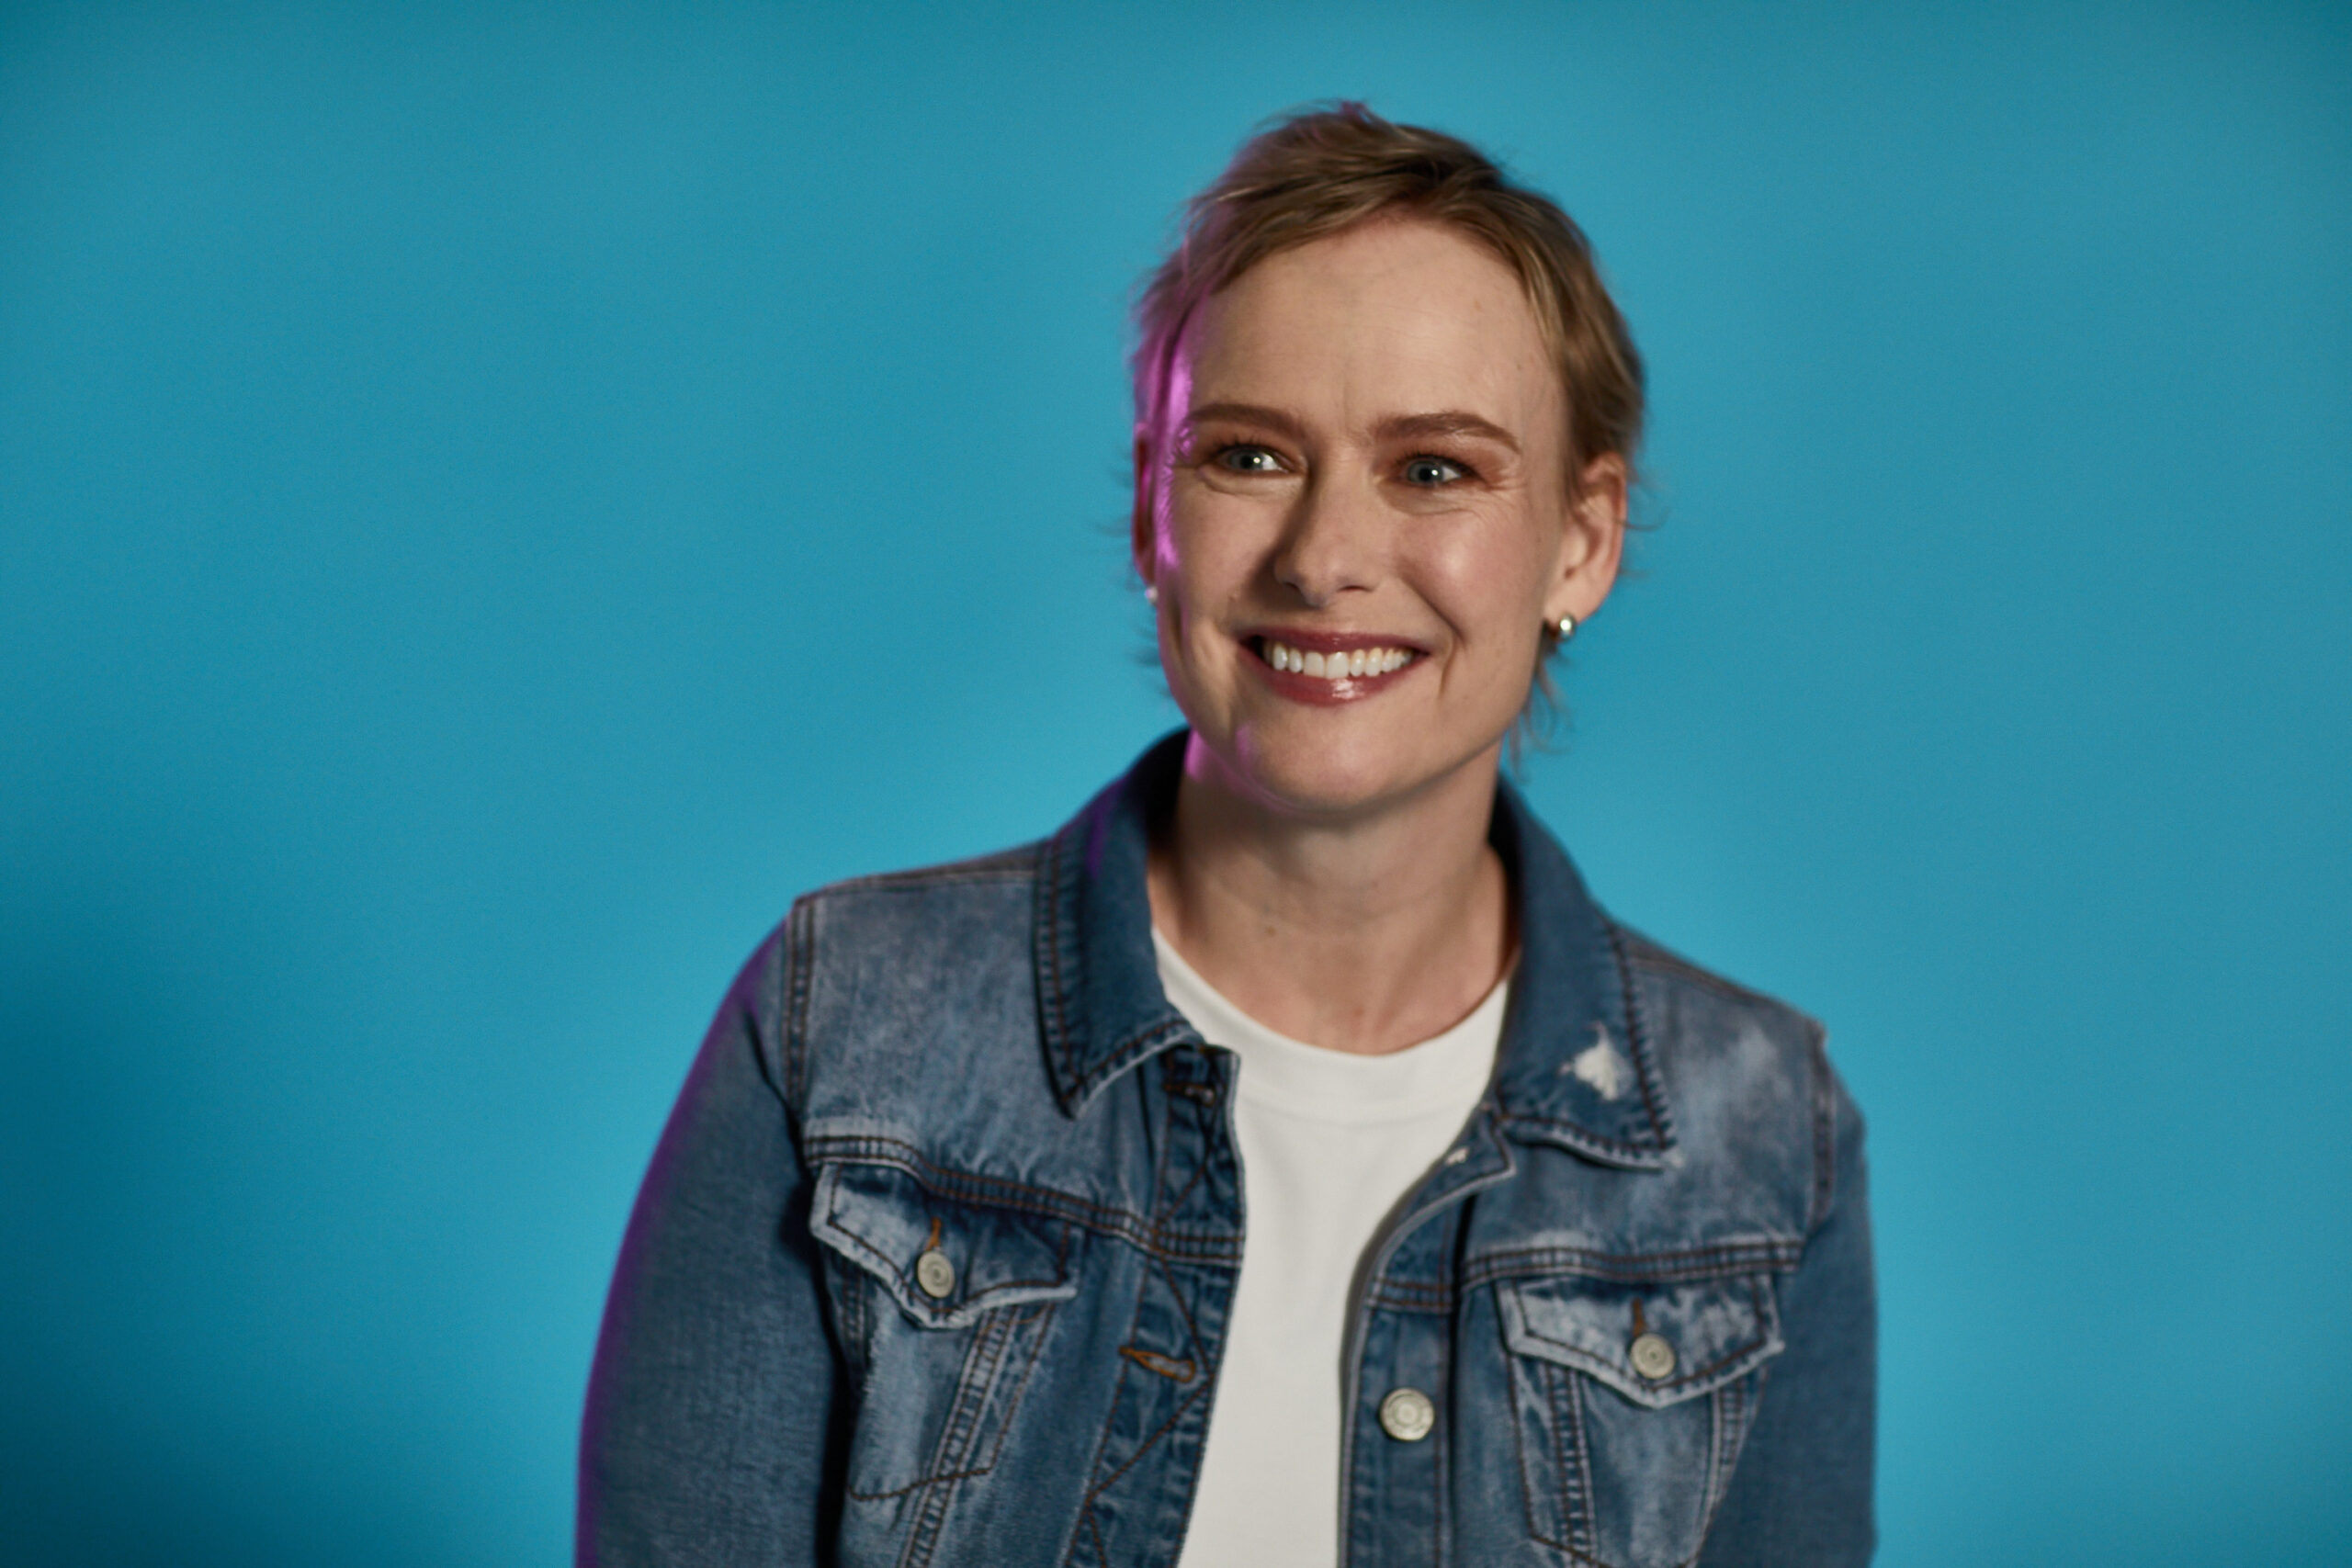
(1313, 174)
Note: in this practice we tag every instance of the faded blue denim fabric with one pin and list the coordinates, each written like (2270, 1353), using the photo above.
(976, 1061)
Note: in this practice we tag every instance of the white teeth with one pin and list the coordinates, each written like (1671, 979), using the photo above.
(1337, 666)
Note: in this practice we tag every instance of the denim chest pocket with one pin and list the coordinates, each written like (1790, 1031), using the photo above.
(1631, 1400)
(943, 1307)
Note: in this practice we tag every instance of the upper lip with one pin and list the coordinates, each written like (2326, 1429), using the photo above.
(1330, 642)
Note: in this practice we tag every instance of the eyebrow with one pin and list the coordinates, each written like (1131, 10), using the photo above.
(1447, 421)
(1275, 420)
(1398, 427)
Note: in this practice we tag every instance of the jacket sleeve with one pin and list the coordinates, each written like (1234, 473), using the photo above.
(713, 1389)
(1802, 1489)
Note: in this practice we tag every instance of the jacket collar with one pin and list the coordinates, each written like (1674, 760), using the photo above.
(1574, 1068)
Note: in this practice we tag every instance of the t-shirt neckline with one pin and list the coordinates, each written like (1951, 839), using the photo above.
(1297, 1078)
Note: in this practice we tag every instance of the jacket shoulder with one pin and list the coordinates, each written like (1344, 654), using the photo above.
(911, 990)
(1016, 864)
(1742, 1067)
(903, 956)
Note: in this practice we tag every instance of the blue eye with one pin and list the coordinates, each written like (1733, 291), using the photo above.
(1430, 472)
(1248, 461)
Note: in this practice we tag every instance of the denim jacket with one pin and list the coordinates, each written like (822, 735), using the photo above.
(936, 1255)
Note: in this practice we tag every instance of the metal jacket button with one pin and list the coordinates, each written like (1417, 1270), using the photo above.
(935, 1274)
(1652, 1357)
(1407, 1415)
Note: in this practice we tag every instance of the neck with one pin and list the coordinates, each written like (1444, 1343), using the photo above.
(1364, 932)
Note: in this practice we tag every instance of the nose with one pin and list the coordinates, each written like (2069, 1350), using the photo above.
(1331, 543)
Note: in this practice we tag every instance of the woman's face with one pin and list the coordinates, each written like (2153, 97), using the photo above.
(1358, 517)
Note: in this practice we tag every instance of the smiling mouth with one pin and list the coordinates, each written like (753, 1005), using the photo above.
(1357, 663)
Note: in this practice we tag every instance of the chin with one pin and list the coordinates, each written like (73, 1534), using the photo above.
(1333, 771)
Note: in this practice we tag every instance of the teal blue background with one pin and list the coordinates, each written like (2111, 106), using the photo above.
(496, 499)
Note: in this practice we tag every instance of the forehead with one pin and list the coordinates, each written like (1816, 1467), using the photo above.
(1395, 316)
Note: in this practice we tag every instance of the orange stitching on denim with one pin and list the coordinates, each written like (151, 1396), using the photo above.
(1694, 1375)
(1184, 1309)
(1584, 1135)
(1560, 1428)
(1097, 1488)
(1159, 1239)
(1683, 1266)
(892, 1269)
(1134, 1046)
(1727, 1410)
(1522, 1412)
(1110, 1424)
(1200, 1170)
(1043, 1319)
(1037, 1345)
(1101, 1447)
(1432, 1300)
(985, 1351)
(1583, 1527)
(911, 1487)
(1186, 1088)
(1152, 1361)
(1637, 1037)
(1147, 1445)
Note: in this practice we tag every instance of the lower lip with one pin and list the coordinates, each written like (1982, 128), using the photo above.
(1319, 692)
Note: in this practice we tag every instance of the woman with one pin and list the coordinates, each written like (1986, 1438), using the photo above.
(1556, 1248)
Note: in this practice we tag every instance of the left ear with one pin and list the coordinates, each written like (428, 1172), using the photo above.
(1592, 540)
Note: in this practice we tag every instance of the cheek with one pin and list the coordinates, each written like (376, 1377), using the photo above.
(1204, 562)
(1211, 542)
(1489, 583)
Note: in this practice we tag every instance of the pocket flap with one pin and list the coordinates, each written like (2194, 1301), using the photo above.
(884, 1221)
(1655, 1344)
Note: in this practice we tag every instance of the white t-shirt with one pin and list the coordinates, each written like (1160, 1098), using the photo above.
(1330, 1143)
